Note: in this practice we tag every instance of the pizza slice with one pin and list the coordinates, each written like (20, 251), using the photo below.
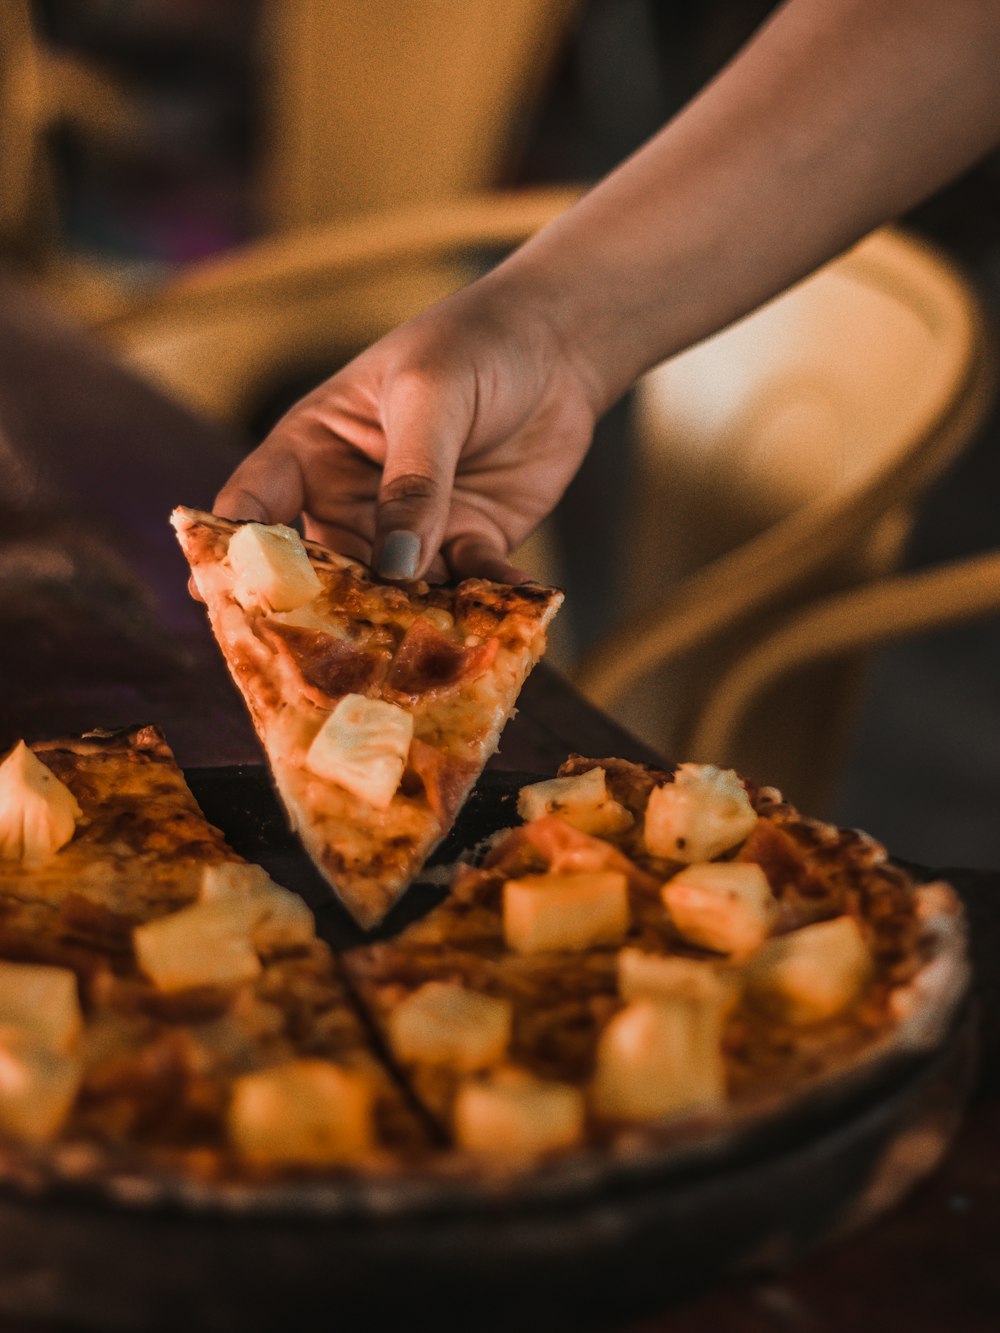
(161, 999)
(377, 705)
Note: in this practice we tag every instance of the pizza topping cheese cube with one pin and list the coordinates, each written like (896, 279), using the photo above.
(644, 976)
(725, 906)
(207, 944)
(582, 800)
(42, 1003)
(565, 912)
(444, 1023)
(276, 916)
(362, 747)
(660, 1058)
(38, 813)
(305, 1112)
(704, 812)
(514, 1115)
(812, 973)
(271, 568)
(38, 1086)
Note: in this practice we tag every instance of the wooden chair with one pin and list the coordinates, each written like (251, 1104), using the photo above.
(39, 90)
(774, 464)
(361, 108)
(223, 335)
(838, 628)
(367, 107)
(781, 462)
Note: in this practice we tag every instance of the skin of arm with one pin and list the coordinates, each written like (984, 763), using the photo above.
(442, 446)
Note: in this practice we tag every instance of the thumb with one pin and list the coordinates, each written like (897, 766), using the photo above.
(423, 442)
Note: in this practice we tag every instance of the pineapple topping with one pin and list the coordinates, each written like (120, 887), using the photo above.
(644, 976)
(812, 973)
(40, 1023)
(362, 747)
(515, 1116)
(444, 1023)
(275, 916)
(725, 906)
(542, 912)
(208, 944)
(42, 1003)
(659, 1058)
(271, 568)
(701, 814)
(582, 800)
(305, 1112)
(38, 813)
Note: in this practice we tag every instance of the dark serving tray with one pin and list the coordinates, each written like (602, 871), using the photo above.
(613, 1243)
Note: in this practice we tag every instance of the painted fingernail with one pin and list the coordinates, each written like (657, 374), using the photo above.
(400, 555)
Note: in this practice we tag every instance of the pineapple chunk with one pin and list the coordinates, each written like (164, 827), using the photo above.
(643, 976)
(305, 1112)
(37, 1086)
(814, 972)
(41, 1003)
(542, 912)
(582, 801)
(271, 568)
(726, 906)
(209, 944)
(444, 1023)
(701, 814)
(362, 746)
(310, 617)
(275, 916)
(38, 813)
(514, 1115)
(660, 1058)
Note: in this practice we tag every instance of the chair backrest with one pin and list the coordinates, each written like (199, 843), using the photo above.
(362, 108)
(222, 335)
(780, 460)
(370, 106)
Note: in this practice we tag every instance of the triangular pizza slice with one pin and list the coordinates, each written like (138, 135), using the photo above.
(377, 705)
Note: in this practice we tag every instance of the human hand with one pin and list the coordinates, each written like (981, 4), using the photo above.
(436, 451)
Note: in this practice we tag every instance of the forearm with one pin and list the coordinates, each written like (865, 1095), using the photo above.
(838, 115)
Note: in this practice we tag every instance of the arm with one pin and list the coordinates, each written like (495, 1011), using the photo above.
(837, 116)
(459, 431)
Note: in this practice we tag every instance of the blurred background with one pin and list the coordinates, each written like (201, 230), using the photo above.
(146, 140)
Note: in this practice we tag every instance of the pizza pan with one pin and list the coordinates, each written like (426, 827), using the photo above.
(613, 1240)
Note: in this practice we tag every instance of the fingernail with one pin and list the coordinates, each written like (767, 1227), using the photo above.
(400, 555)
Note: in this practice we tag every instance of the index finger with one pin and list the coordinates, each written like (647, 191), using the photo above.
(267, 487)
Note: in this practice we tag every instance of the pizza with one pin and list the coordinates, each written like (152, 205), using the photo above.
(377, 705)
(647, 961)
(164, 1006)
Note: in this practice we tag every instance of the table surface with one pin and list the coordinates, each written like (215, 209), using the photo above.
(97, 628)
